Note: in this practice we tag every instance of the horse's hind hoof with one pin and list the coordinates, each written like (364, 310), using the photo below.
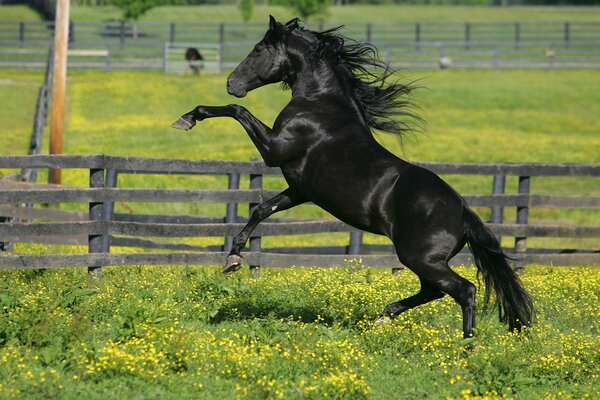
(233, 263)
(383, 320)
(183, 124)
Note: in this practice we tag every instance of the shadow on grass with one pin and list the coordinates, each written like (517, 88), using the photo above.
(247, 310)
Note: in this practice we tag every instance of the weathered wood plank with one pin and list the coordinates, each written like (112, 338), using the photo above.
(272, 260)
(515, 169)
(18, 231)
(177, 166)
(57, 194)
(13, 231)
(113, 259)
(30, 213)
(545, 230)
(133, 195)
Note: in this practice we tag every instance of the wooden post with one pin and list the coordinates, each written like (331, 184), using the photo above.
(232, 209)
(256, 182)
(567, 34)
(122, 33)
(499, 187)
(57, 124)
(522, 218)
(467, 35)
(172, 32)
(95, 214)
(517, 34)
(22, 34)
(108, 207)
(221, 45)
(369, 33)
(418, 36)
(355, 245)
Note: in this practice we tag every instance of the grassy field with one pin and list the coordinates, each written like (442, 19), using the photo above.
(472, 116)
(346, 14)
(189, 332)
(175, 333)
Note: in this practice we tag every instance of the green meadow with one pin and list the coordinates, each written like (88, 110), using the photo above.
(190, 332)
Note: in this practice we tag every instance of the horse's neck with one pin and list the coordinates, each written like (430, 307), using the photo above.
(313, 81)
(323, 83)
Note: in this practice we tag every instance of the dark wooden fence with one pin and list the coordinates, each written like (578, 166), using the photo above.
(140, 45)
(100, 227)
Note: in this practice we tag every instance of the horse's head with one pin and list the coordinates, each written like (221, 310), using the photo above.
(267, 63)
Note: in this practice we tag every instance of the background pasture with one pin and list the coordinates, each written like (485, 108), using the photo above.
(472, 116)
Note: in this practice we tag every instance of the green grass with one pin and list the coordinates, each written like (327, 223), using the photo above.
(352, 14)
(19, 91)
(18, 13)
(171, 333)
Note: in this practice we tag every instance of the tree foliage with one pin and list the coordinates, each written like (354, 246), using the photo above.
(133, 9)
(246, 7)
(308, 8)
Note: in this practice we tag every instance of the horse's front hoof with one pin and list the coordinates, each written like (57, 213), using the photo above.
(233, 263)
(183, 124)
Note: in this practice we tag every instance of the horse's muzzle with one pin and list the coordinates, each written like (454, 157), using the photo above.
(236, 89)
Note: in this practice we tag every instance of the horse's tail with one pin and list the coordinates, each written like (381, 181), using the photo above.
(515, 306)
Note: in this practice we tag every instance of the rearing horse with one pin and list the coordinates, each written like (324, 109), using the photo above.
(323, 143)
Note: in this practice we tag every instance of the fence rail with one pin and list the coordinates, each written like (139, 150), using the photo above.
(101, 227)
(140, 45)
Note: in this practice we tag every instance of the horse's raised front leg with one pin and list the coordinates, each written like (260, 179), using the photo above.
(259, 133)
(283, 201)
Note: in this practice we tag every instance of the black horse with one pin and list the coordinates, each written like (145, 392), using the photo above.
(323, 143)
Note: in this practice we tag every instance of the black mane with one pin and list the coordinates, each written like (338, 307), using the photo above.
(386, 106)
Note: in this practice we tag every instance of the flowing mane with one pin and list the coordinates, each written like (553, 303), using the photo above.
(386, 106)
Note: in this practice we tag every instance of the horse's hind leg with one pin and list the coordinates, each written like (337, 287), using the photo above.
(426, 294)
(461, 290)
(437, 278)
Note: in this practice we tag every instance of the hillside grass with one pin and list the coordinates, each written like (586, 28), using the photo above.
(190, 332)
(18, 13)
(357, 14)
(352, 14)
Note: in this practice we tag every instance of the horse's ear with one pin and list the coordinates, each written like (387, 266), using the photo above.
(272, 23)
(292, 24)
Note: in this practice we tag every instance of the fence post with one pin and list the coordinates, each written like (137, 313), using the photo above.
(467, 35)
(108, 58)
(232, 209)
(108, 207)
(567, 34)
(517, 34)
(355, 245)
(221, 45)
(122, 33)
(256, 182)
(95, 214)
(497, 214)
(6, 246)
(418, 35)
(522, 218)
(495, 58)
(22, 34)
(369, 32)
(172, 32)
